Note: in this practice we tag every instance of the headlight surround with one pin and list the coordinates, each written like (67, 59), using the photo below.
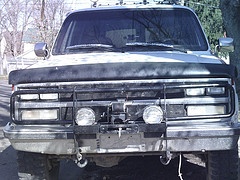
(215, 90)
(85, 117)
(52, 96)
(195, 91)
(201, 91)
(153, 115)
(29, 96)
(40, 114)
(206, 110)
(49, 96)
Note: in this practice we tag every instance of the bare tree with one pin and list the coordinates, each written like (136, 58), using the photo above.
(1, 39)
(16, 16)
(231, 19)
(48, 17)
(15, 19)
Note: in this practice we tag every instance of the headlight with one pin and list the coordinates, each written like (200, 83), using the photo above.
(51, 114)
(85, 117)
(153, 115)
(49, 96)
(205, 110)
(215, 90)
(29, 96)
(52, 96)
(195, 91)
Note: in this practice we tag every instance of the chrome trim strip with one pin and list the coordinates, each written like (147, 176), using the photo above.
(172, 132)
(196, 80)
(184, 101)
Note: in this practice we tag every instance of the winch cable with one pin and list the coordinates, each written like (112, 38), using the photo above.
(73, 117)
(80, 160)
(165, 160)
(179, 167)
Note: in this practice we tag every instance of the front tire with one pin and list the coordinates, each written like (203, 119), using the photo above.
(222, 165)
(35, 166)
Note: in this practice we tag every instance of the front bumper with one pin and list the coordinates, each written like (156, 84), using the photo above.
(62, 140)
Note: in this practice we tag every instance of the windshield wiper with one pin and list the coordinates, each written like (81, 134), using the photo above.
(146, 44)
(89, 46)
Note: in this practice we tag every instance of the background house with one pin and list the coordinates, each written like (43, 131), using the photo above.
(28, 56)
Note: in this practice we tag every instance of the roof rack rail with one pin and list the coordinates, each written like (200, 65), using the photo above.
(94, 3)
(168, 2)
(136, 2)
(176, 2)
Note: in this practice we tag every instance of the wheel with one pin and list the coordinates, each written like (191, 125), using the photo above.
(35, 166)
(222, 165)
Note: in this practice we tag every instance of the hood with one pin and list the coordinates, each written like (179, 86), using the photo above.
(122, 71)
(118, 57)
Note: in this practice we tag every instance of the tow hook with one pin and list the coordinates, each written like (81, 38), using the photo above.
(165, 159)
(79, 160)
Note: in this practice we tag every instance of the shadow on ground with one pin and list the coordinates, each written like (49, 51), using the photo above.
(8, 164)
(140, 168)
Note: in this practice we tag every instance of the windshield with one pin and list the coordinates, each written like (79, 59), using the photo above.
(130, 30)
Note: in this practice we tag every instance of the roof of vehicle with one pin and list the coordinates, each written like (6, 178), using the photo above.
(131, 6)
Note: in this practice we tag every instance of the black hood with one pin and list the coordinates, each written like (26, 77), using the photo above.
(121, 71)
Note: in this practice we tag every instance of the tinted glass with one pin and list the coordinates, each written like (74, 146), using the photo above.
(130, 30)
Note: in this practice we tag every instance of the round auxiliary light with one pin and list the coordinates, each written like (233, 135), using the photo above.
(85, 117)
(153, 115)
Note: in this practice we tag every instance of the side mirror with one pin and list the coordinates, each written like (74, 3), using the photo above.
(41, 50)
(225, 45)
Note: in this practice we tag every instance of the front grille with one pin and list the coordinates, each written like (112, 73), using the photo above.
(135, 95)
